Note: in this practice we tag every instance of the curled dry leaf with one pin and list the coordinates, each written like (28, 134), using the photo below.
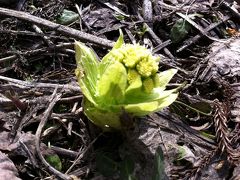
(14, 146)
(7, 168)
(7, 144)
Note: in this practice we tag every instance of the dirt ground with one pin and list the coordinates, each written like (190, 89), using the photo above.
(44, 133)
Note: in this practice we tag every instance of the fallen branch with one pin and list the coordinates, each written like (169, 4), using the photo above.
(25, 84)
(57, 27)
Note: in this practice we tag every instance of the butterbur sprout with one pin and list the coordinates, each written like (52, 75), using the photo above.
(126, 78)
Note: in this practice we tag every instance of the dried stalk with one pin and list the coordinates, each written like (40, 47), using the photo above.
(224, 144)
(41, 125)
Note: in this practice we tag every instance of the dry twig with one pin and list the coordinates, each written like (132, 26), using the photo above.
(24, 84)
(55, 98)
(57, 27)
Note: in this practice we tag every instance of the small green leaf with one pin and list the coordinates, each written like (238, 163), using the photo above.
(105, 165)
(142, 30)
(203, 107)
(119, 17)
(87, 62)
(181, 152)
(208, 135)
(158, 171)
(55, 161)
(165, 102)
(185, 153)
(179, 30)
(107, 60)
(126, 169)
(67, 17)
(105, 63)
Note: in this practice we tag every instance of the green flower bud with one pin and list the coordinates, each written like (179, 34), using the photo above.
(117, 55)
(156, 80)
(133, 54)
(148, 85)
(147, 66)
(132, 75)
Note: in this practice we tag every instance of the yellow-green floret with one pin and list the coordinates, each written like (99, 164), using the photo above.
(138, 57)
(139, 63)
(117, 55)
(133, 54)
(147, 66)
(132, 75)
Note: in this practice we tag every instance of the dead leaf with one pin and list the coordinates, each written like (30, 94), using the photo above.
(100, 18)
(8, 144)
(7, 168)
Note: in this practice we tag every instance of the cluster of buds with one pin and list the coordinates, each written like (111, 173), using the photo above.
(139, 63)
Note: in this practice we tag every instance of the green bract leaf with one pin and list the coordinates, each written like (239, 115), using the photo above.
(165, 77)
(120, 41)
(105, 63)
(87, 70)
(157, 94)
(112, 85)
(103, 118)
(142, 109)
(108, 59)
(134, 87)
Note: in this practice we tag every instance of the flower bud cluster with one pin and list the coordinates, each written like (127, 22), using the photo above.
(139, 62)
